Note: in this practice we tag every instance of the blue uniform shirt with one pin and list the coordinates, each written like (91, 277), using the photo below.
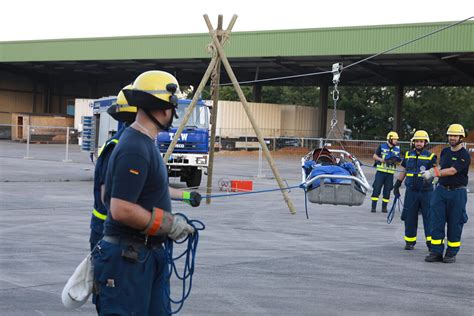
(137, 174)
(459, 160)
(385, 151)
(414, 163)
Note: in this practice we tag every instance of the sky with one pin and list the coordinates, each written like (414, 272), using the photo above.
(50, 19)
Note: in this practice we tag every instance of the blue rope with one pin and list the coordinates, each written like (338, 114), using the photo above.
(397, 204)
(189, 255)
(241, 193)
(306, 202)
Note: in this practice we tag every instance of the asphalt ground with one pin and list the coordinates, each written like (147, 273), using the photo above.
(253, 258)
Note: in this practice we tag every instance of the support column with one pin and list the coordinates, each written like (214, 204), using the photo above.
(397, 114)
(257, 93)
(35, 92)
(47, 97)
(62, 108)
(323, 109)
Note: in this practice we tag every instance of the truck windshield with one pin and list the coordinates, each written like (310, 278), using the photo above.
(199, 117)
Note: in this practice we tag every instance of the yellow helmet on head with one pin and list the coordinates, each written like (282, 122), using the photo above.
(153, 90)
(392, 135)
(120, 110)
(421, 135)
(456, 129)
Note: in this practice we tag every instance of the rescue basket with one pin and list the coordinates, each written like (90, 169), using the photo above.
(336, 189)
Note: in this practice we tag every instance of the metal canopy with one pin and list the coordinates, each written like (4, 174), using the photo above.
(440, 69)
(442, 59)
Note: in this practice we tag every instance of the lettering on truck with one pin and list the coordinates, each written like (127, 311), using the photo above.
(183, 136)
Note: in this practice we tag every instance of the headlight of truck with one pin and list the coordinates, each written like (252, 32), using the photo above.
(201, 160)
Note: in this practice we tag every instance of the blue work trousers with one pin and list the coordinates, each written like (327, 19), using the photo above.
(124, 287)
(416, 201)
(448, 207)
(97, 229)
(94, 238)
(385, 180)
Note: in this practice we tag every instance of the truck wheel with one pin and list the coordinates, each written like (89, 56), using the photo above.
(229, 146)
(194, 179)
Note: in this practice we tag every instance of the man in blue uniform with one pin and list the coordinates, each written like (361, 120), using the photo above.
(121, 112)
(126, 114)
(448, 206)
(386, 158)
(418, 192)
(130, 271)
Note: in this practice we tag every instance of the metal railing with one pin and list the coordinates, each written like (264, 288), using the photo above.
(63, 141)
(361, 148)
(32, 135)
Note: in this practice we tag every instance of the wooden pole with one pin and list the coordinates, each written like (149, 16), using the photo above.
(241, 95)
(195, 97)
(215, 77)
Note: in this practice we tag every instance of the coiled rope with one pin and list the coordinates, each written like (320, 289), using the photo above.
(189, 255)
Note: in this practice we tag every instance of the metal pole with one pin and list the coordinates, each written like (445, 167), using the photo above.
(27, 143)
(260, 173)
(239, 91)
(67, 146)
(215, 102)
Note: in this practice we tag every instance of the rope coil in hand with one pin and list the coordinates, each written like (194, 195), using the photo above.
(189, 255)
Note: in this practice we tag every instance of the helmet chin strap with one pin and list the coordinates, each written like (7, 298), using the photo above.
(157, 123)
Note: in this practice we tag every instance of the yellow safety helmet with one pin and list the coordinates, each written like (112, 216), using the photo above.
(120, 110)
(421, 135)
(153, 90)
(456, 129)
(392, 135)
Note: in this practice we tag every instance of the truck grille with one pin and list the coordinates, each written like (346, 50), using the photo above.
(179, 147)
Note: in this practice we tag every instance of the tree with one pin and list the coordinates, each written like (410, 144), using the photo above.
(369, 110)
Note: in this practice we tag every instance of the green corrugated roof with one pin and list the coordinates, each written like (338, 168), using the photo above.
(363, 40)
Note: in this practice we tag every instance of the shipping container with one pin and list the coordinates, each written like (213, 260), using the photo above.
(234, 130)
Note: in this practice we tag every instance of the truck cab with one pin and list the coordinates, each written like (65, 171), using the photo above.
(191, 153)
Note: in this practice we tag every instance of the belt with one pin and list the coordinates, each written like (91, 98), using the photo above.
(452, 187)
(135, 241)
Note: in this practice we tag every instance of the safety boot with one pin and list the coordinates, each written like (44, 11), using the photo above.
(372, 210)
(434, 257)
(409, 246)
(384, 209)
(449, 258)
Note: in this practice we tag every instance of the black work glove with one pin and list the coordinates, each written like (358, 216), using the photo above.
(192, 198)
(396, 187)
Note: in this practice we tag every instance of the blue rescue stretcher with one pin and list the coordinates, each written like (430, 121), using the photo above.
(333, 177)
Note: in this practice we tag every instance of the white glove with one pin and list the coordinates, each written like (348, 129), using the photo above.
(428, 175)
(180, 228)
